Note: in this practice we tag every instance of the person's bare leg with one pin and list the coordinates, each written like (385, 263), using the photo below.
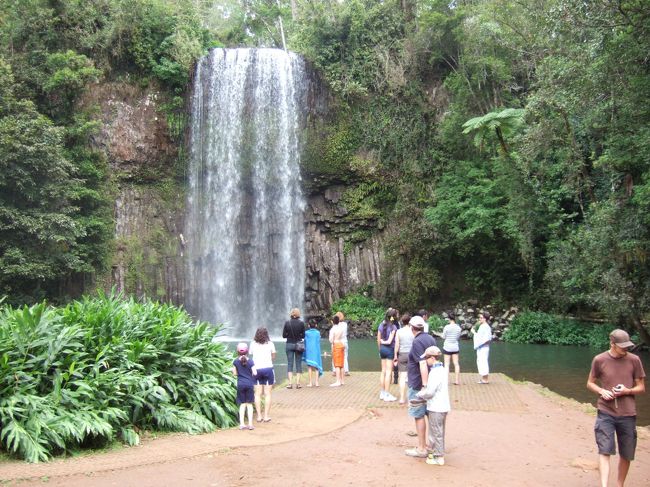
(402, 387)
(242, 417)
(258, 401)
(421, 429)
(388, 367)
(447, 359)
(623, 468)
(297, 378)
(267, 401)
(456, 369)
(249, 410)
(603, 466)
(290, 375)
(337, 373)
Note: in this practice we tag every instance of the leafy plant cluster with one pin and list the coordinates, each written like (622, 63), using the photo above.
(359, 307)
(539, 327)
(105, 368)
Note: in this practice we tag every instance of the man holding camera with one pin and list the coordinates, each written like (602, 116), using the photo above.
(621, 377)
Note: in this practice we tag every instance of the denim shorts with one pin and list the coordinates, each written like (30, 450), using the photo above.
(625, 429)
(265, 377)
(416, 412)
(386, 352)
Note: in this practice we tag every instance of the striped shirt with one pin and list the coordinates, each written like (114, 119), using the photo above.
(451, 334)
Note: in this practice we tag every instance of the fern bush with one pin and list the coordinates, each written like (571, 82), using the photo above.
(538, 327)
(104, 368)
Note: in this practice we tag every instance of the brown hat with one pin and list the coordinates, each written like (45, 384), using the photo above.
(621, 339)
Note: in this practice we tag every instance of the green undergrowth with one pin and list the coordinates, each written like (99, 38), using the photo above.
(107, 369)
(359, 307)
(539, 327)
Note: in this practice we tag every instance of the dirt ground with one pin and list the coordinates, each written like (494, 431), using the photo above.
(550, 443)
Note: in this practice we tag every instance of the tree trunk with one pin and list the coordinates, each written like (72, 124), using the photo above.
(643, 333)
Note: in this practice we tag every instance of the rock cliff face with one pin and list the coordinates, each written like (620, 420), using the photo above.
(335, 268)
(148, 211)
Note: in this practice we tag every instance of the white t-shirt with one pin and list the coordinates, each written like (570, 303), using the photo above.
(261, 353)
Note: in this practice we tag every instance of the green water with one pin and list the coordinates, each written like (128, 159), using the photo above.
(563, 369)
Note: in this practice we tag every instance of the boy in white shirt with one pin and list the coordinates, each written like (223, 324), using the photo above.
(436, 393)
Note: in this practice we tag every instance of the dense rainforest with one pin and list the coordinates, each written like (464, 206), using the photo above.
(506, 142)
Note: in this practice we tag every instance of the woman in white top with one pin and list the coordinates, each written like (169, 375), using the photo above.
(451, 348)
(482, 339)
(403, 343)
(262, 350)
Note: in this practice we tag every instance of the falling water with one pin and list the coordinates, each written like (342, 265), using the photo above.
(245, 228)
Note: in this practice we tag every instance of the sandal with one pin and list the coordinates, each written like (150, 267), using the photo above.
(298, 386)
(289, 386)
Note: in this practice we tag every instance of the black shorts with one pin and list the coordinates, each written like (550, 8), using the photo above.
(449, 353)
(245, 395)
(625, 429)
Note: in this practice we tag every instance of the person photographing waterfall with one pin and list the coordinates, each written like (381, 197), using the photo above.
(621, 377)
(294, 332)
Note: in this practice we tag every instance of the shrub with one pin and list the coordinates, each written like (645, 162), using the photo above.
(539, 327)
(103, 368)
(359, 307)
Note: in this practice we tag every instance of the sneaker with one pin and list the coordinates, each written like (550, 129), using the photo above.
(382, 396)
(431, 460)
(389, 397)
(414, 452)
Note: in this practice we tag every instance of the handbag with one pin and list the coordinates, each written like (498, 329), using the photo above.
(300, 346)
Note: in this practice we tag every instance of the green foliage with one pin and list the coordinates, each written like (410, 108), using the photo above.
(357, 307)
(103, 368)
(436, 323)
(538, 327)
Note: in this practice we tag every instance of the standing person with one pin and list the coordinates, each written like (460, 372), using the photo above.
(294, 332)
(482, 339)
(418, 376)
(451, 347)
(338, 351)
(244, 369)
(312, 354)
(436, 393)
(386, 344)
(424, 314)
(403, 343)
(344, 325)
(262, 350)
(621, 377)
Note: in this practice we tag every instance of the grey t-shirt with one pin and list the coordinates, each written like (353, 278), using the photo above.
(405, 336)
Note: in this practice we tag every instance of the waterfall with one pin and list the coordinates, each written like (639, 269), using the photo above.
(244, 228)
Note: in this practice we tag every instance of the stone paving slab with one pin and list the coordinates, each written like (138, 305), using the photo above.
(361, 390)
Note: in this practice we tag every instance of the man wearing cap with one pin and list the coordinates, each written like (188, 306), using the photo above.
(621, 377)
(417, 375)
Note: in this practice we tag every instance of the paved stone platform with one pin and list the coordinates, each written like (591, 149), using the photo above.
(292, 411)
(361, 390)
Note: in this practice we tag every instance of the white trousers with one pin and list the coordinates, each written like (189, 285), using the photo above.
(482, 355)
